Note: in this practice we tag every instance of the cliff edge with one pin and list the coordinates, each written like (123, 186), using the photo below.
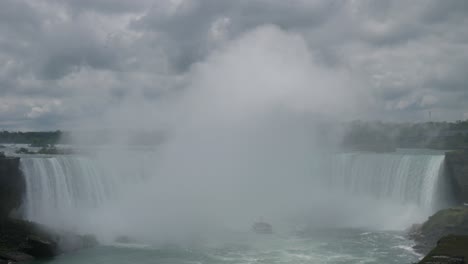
(12, 186)
(451, 249)
(457, 167)
(443, 237)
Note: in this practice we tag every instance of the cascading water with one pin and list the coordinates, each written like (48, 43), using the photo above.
(388, 191)
(61, 185)
(65, 191)
(401, 178)
(77, 192)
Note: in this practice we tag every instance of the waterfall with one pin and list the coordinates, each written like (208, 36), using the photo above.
(64, 191)
(62, 185)
(88, 192)
(401, 178)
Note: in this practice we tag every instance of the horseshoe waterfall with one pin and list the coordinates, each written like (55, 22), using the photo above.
(69, 191)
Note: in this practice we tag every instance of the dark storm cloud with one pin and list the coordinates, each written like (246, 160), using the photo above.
(407, 55)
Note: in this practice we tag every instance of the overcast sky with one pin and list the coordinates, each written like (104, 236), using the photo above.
(64, 60)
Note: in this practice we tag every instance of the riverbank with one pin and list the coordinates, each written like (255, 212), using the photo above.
(24, 241)
(443, 238)
(451, 249)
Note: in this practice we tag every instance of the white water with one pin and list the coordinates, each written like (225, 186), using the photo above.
(389, 191)
(63, 191)
(401, 178)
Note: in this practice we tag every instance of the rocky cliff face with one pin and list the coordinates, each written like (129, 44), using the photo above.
(443, 237)
(12, 185)
(444, 222)
(457, 167)
(450, 249)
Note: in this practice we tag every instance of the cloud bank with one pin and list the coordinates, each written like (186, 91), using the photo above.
(66, 61)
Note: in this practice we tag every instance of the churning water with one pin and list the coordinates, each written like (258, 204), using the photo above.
(366, 201)
(333, 246)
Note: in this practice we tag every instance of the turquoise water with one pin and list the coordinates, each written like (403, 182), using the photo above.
(326, 246)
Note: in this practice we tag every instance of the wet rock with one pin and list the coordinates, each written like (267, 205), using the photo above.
(451, 249)
(23, 238)
(40, 248)
(69, 242)
(457, 167)
(445, 222)
(12, 186)
(15, 256)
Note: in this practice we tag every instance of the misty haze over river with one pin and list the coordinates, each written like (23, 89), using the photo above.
(250, 104)
(328, 207)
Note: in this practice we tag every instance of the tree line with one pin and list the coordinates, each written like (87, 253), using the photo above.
(38, 139)
(379, 135)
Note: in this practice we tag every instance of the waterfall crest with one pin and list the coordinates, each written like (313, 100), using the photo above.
(84, 193)
(63, 191)
(61, 186)
(401, 178)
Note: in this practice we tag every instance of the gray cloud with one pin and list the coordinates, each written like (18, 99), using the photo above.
(187, 29)
(66, 56)
(105, 6)
(72, 49)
